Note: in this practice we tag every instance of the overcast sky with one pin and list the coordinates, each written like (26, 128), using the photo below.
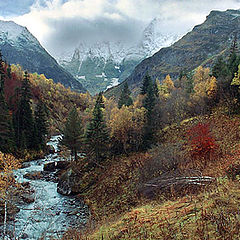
(62, 24)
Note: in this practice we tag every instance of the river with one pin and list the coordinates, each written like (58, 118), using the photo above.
(51, 214)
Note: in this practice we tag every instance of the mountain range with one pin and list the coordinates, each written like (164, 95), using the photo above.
(101, 65)
(201, 46)
(19, 46)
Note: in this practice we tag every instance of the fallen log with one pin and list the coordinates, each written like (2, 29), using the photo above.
(174, 184)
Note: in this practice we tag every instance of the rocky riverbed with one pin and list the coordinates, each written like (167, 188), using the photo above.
(42, 211)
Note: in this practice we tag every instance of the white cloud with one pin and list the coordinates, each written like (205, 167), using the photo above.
(62, 23)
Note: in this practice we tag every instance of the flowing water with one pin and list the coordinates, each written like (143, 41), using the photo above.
(51, 214)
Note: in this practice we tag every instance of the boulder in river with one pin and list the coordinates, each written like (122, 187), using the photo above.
(53, 166)
(26, 164)
(50, 149)
(27, 198)
(24, 236)
(69, 183)
(63, 164)
(33, 175)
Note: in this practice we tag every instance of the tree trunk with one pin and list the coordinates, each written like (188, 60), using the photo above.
(5, 219)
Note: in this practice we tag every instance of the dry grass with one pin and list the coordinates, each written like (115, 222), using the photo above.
(211, 214)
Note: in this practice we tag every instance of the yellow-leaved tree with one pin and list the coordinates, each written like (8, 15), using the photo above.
(8, 185)
(126, 126)
(166, 87)
(205, 86)
(236, 79)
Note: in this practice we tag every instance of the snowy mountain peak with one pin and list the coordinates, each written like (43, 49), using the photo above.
(10, 29)
(18, 45)
(116, 59)
(13, 33)
(152, 40)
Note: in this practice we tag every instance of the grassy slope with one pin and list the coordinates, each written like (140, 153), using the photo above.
(213, 214)
(210, 214)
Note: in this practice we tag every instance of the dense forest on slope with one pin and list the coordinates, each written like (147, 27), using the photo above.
(25, 98)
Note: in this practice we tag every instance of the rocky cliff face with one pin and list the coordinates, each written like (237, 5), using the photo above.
(201, 46)
(104, 64)
(19, 46)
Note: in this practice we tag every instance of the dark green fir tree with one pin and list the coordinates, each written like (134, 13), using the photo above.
(149, 104)
(73, 133)
(125, 98)
(233, 60)
(23, 118)
(220, 69)
(6, 129)
(97, 137)
(145, 85)
(41, 126)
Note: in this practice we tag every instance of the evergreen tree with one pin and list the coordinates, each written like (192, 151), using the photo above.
(97, 137)
(41, 126)
(155, 89)
(6, 131)
(149, 104)
(146, 82)
(234, 47)
(73, 133)
(220, 69)
(23, 119)
(231, 90)
(125, 98)
(233, 60)
(233, 63)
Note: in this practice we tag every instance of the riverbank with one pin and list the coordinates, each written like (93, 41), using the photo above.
(44, 213)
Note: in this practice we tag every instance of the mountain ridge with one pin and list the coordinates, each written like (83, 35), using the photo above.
(114, 61)
(19, 46)
(198, 47)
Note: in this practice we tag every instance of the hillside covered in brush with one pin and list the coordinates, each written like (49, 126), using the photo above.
(173, 169)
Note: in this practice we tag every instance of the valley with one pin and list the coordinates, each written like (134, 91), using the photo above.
(117, 139)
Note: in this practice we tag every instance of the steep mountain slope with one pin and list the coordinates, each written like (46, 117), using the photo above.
(200, 46)
(102, 65)
(18, 45)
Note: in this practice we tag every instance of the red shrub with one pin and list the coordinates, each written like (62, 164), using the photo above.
(201, 142)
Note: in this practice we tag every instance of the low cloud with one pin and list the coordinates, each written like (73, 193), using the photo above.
(62, 24)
